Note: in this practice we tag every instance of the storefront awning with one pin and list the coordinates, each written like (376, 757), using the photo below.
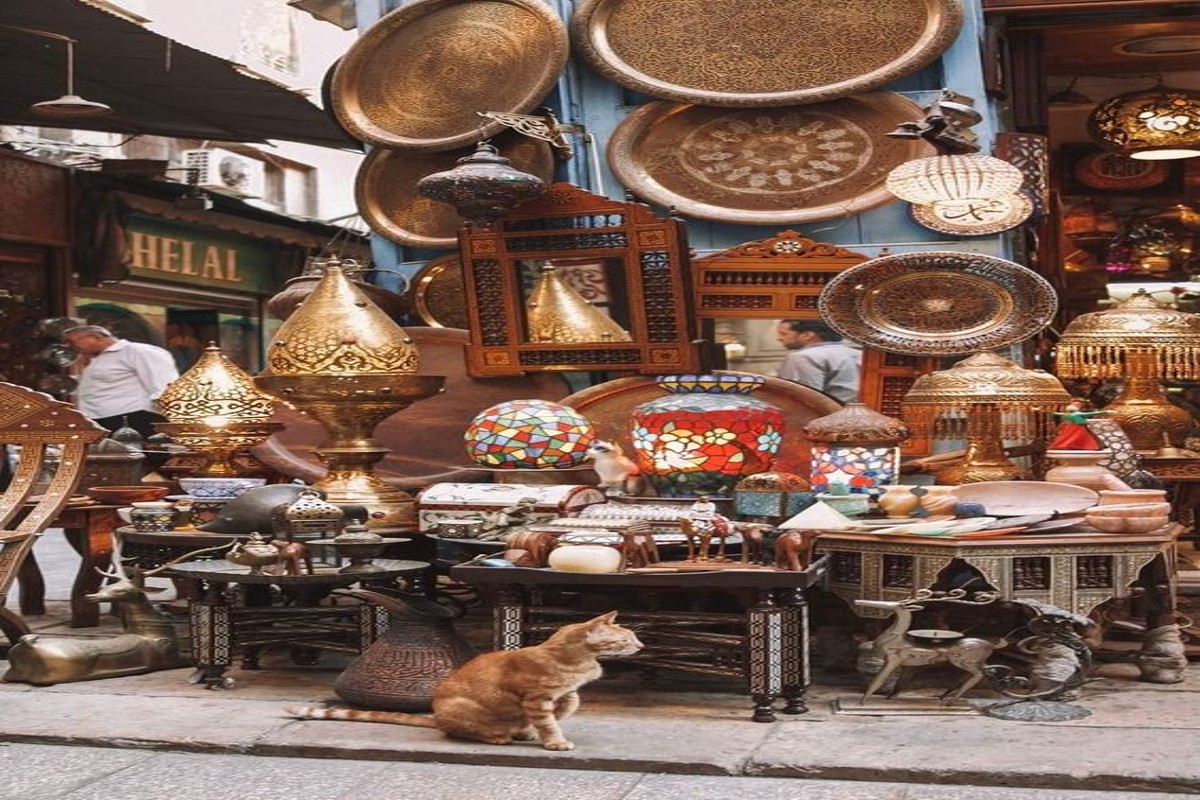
(155, 85)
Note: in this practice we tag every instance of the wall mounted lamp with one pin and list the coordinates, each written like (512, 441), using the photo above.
(70, 104)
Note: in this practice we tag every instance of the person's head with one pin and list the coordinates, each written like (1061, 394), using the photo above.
(796, 333)
(88, 339)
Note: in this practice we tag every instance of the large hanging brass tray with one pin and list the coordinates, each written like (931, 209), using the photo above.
(938, 303)
(765, 166)
(775, 53)
(386, 189)
(418, 76)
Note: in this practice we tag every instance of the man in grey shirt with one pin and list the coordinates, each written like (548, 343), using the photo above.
(819, 358)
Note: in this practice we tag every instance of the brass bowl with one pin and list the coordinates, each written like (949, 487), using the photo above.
(124, 495)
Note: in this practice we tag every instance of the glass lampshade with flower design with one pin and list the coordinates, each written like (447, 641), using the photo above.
(705, 434)
(854, 449)
(214, 409)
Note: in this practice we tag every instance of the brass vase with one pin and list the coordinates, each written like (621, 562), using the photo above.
(340, 359)
(1146, 415)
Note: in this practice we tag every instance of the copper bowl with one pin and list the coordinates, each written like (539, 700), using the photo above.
(124, 495)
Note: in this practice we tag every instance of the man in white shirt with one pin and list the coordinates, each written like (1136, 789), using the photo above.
(819, 358)
(120, 380)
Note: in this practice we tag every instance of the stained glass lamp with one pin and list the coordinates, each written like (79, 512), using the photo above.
(529, 434)
(854, 449)
(705, 434)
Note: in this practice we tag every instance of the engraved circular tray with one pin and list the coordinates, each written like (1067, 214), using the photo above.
(765, 166)
(418, 76)
(438, 294)
(734, 53)
(974, 217)
(387, 198)
(938, 303)
(607, 406)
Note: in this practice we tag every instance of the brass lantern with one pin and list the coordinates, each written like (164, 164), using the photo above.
(1153, 124)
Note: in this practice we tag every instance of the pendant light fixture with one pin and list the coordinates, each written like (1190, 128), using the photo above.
(1153, 124)
(70, 104)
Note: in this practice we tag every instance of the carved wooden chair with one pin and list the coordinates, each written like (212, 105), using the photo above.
(36, 422)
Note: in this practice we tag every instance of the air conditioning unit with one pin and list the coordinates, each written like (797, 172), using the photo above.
(227, 171)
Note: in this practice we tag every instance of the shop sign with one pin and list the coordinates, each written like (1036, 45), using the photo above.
(165, 250)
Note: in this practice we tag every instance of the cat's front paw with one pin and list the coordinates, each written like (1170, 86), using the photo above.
(558, 744)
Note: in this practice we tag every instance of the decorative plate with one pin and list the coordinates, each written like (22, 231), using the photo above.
(784, 52)
(1024, 498)
(386, 189)
(938, 303)
(974, 217)
(438, 296)
(765, 166)
(608, 404)
(418, 76)
(1112, 171)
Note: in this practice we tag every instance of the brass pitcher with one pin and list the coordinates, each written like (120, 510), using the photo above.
(400, 671)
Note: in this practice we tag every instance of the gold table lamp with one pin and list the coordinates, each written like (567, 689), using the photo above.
(1142, 341)
(984, 399)
(345, 363)
(215, 410)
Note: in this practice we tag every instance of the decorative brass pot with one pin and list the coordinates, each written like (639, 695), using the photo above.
(400, 671)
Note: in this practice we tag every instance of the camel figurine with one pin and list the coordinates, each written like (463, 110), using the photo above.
(894, 648)
(700, 526)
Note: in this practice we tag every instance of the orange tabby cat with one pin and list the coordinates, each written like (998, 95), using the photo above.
(511, 695)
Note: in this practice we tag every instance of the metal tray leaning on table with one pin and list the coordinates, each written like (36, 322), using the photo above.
(768, 650)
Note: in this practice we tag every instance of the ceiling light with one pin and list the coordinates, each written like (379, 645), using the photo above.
(70, 104)
(954, 177)
(1153, 124)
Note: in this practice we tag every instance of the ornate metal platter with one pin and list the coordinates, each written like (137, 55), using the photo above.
(938, 303)
(974, 217)
(387, 198)
(766, 53)
(418, 76)
(438, 296)
(765, 166)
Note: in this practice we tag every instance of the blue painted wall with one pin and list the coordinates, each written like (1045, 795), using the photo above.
(585, 98)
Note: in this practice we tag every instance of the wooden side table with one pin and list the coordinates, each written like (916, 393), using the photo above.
(89, 530)
(1076, 572)
(766, 644)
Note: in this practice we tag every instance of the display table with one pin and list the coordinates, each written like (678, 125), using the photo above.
(766, 644)
(223, 625)
(89, 530)
(1074, 571)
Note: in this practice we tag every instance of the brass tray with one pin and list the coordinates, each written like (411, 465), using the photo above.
(607, 406)
(438, 296)
(732, 53)
(418, 76)
(974, 217)
(938, 303)
(765, 166)
(386, 189)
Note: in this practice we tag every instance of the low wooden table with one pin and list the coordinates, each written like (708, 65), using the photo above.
(766, 644)
(89, 530)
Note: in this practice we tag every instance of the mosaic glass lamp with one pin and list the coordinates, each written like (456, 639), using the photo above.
(854, 449)
(771, 496)
(705, 434)
(529, 434)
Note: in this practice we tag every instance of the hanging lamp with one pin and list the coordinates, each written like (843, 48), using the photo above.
(1153, 124)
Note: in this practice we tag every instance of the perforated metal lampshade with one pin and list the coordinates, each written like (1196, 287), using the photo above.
(1100, 344)
(1153, 124)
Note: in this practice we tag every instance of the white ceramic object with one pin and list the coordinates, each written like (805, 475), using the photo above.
(818, 517)
(219, 487)
(1131, 510)
(1022, 498)
(124, 513)
(585, 558)
(1121, 496)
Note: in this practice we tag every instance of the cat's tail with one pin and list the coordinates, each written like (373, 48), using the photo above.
(390, 717)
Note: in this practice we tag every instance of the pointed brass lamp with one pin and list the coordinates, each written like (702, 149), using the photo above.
(984, 399)
(345, 363)
(557, 313)
(215, 410)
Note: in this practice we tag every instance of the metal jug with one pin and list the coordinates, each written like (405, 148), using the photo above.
(400, 671)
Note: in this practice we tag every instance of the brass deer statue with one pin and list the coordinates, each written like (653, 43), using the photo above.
(894, 649)
(148, 643)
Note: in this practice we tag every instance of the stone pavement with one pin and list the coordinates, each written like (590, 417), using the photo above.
(1137, 739)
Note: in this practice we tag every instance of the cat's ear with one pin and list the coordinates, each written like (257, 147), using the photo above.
(605, 619)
